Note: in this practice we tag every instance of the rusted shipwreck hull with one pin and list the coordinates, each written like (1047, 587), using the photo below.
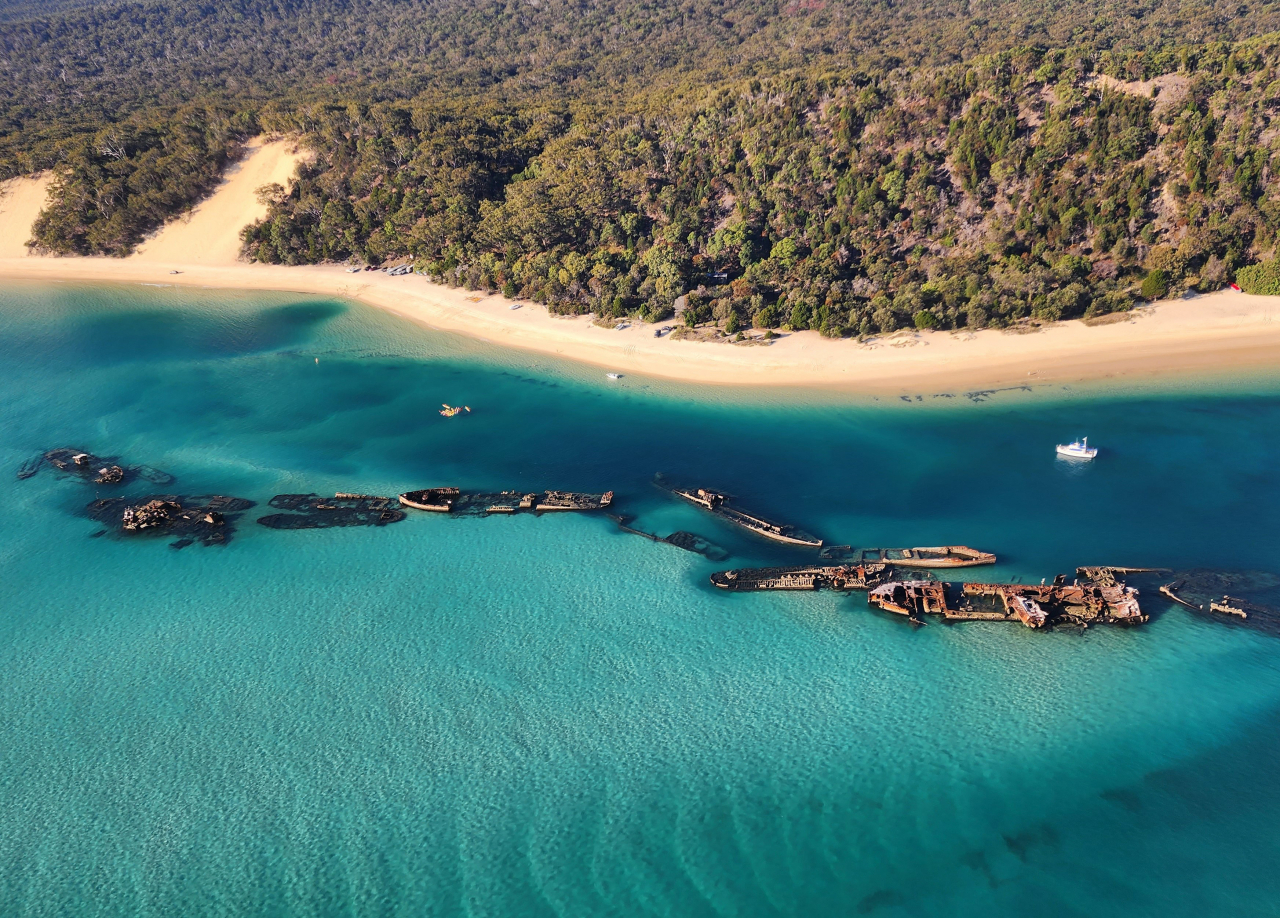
(209, 520)
(452, 500)
(434, 500)
(311, 511)
(1034, 606)
(572, 500)
(816, 577)
(933, 558)
(718, 504)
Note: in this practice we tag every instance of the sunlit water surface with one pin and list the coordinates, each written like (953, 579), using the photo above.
(547, 716)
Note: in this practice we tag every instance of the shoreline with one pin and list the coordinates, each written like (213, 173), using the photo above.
(1218, 333)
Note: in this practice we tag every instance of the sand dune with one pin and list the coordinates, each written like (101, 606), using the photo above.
(1220, 333)
(210, 234)
(21, 200)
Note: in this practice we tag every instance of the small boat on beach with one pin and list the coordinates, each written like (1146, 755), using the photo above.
(614, 375)
(1079, 449)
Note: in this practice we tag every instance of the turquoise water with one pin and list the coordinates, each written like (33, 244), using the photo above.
(550, 717)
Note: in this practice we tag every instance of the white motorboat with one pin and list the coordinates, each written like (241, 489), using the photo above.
(1080, 449)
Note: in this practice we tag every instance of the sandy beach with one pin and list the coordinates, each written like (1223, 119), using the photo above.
(1215, 333)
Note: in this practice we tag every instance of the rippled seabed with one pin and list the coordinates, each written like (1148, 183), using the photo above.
(547, 716)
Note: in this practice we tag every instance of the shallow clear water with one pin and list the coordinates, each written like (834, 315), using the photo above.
(548, 716)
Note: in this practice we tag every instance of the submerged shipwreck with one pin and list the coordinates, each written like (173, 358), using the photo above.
(829, 577)
(942, 557)
(1096, 597)
(454, 500)
(86, 466)
(896, 580)
(311, 511)
(1222, 595)
(688, 541)
(209, 520)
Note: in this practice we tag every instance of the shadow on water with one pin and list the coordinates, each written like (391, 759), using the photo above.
(142, 335)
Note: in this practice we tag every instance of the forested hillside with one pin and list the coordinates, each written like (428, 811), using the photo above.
(847, 167)
(34, 9)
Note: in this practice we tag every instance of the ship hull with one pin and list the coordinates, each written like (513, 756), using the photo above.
(933, 558)
(422, 500)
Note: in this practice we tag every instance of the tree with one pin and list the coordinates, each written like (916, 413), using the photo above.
(1155, 285)
(1262, 278)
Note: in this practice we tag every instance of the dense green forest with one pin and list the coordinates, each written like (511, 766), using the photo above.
(847, 167)
(33, 9)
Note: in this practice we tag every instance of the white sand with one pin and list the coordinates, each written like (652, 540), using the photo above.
(210, 233)
(1221, 332)
(21, 200)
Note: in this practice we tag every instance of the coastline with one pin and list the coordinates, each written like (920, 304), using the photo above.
(1224, 333)
(1210, 334)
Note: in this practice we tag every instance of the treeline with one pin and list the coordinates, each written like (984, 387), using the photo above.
(1030, 183)
(123, 181)
(848, 167)
(71, 73)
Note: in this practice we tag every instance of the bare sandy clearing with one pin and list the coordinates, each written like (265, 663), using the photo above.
(21, 200)
(210, 234)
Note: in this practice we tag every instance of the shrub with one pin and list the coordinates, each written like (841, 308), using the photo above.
(1263, 278)
(1155, 285)
(766, 318)
(925, 319)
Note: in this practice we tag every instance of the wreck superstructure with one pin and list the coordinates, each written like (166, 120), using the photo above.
(1079, 603)
(209, 520)
(311, 511)
(86, 466)
(572, 500)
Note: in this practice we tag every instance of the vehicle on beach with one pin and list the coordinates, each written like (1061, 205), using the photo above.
(1079, 449)
(662, 331)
